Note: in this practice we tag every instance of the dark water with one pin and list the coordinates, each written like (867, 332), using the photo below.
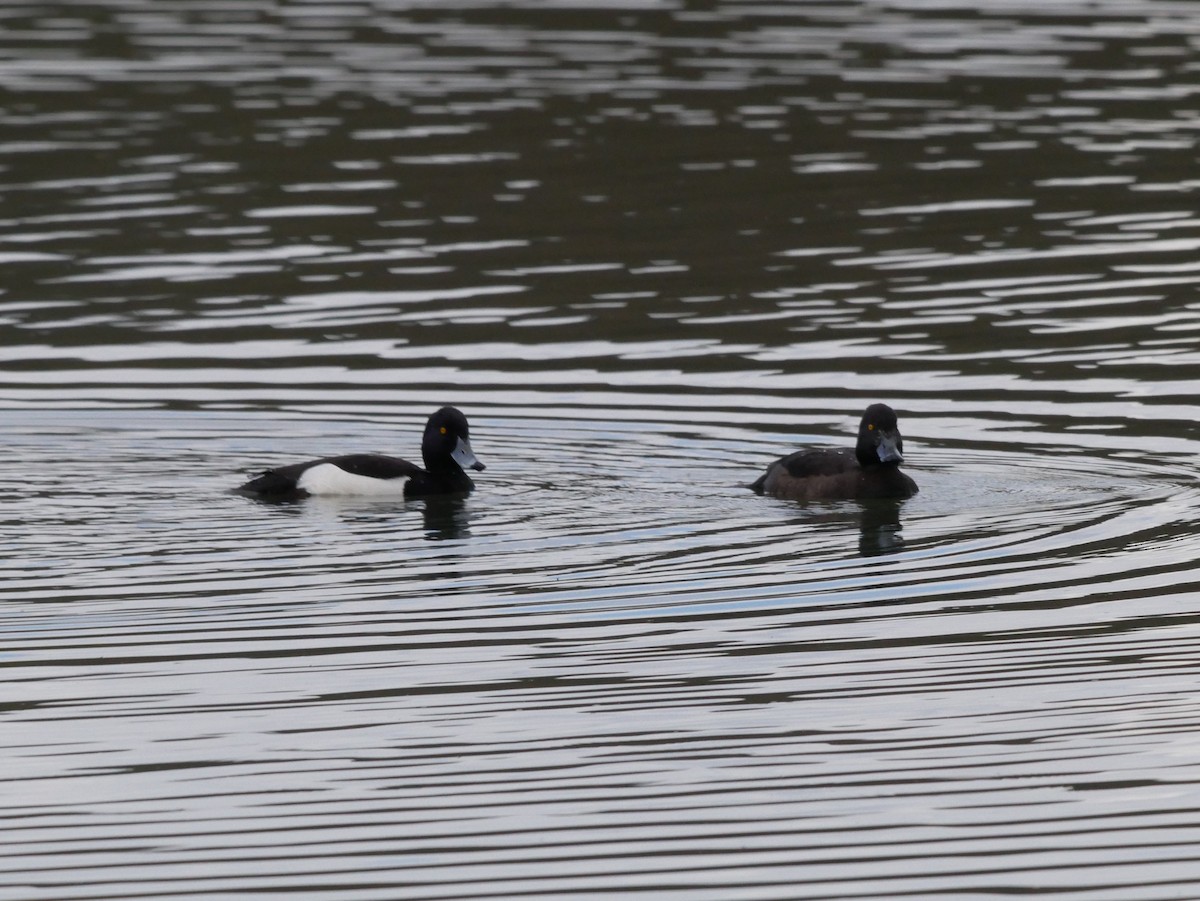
(647, 248)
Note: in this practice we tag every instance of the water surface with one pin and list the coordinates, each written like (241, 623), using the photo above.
(647, 248)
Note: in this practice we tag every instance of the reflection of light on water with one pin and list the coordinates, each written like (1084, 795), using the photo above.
(648, 249)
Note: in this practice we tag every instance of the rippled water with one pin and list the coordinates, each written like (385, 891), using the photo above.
(647, 248)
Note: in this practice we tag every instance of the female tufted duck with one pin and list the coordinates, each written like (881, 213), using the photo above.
(446, 449)
(873, 470)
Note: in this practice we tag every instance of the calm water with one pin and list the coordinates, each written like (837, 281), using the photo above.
(647, 248)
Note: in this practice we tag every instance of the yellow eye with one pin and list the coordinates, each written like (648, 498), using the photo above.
(443, 430)
(870, 427)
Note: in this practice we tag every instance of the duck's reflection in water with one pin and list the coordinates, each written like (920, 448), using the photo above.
(878, 522)
(879, 527)
(446, 517)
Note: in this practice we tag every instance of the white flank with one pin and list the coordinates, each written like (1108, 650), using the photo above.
(325, 478)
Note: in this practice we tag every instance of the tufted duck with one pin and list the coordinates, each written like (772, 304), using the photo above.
(873, 470)
(446, 449)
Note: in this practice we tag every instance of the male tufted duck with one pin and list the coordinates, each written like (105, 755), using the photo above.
(446, 449)
(872, 471)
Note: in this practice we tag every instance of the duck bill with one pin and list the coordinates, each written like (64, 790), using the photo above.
(464, 456)
(888, 448)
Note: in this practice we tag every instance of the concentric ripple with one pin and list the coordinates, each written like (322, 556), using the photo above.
(611, 645)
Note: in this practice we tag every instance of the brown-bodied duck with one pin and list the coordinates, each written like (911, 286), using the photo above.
(872, 470)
